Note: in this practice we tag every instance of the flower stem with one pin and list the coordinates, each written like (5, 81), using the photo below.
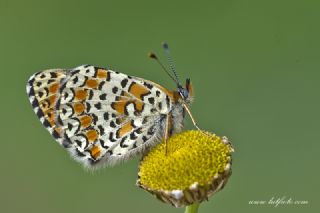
(192, 208)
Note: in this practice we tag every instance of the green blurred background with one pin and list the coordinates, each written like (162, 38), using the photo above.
(254, 66)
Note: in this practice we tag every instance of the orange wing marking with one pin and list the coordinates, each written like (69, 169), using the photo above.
(126, 128)
(81, 94)
(102, 74)
(95, 151)
(79, 108)
(92, 83)
(138, 90)
(92, 135)
(54, 88)
(85, 121)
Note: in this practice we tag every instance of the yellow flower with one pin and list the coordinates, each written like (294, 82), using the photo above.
(195, 166)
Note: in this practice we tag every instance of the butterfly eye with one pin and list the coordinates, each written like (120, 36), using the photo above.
(183, 93)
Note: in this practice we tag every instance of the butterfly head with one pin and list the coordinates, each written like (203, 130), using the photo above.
(186, 93)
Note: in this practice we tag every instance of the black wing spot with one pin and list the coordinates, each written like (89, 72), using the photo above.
(115, 90)
(46, 123)
(168, 101)
(53, 75)
(103, 144)
(109, 153)
(151, 100)
(50, 81)
(132, 124)
(31, 92)
(133, 136)
(138, 131)
(75, 80)
(35, 103)
(95, 118)
(91, 93)
(108, 76)
(40, 94)
(144, 138)
(85, 81)
(75, 72)
(145, 120)
(122, 142)
(55, 134)
(40, 113)
(149, 86)
(70, 126)
(124, 82)
(134, 145)
(66, 95)
(103, 96)
(106, 116)
(59, 120)
(111, 137)
(98, 105)
(112, 124)
(64, 111)
(101, 85)
(79, 143)
(118, 121)
(88, 106)
(101, 129)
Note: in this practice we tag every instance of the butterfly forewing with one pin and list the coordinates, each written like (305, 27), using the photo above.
(99, 115)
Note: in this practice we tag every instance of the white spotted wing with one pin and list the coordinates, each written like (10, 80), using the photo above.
(100, 116)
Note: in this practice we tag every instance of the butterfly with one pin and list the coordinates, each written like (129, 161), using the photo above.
(103, 117)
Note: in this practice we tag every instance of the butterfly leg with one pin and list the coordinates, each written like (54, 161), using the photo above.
(193, 120)
(166, 133)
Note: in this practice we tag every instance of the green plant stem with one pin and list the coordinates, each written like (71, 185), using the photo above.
(192, 208)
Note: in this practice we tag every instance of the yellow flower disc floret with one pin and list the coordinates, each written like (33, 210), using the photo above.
(188, 158)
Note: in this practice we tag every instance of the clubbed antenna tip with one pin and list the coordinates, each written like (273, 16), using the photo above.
(152, 55)
(165, 45)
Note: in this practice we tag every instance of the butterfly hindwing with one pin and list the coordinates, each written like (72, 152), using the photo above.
(99, 115)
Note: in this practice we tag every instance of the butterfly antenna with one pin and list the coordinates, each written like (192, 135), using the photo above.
(153, 56)
(171, 64)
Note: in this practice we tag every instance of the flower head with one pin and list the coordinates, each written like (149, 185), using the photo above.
(194, 166)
